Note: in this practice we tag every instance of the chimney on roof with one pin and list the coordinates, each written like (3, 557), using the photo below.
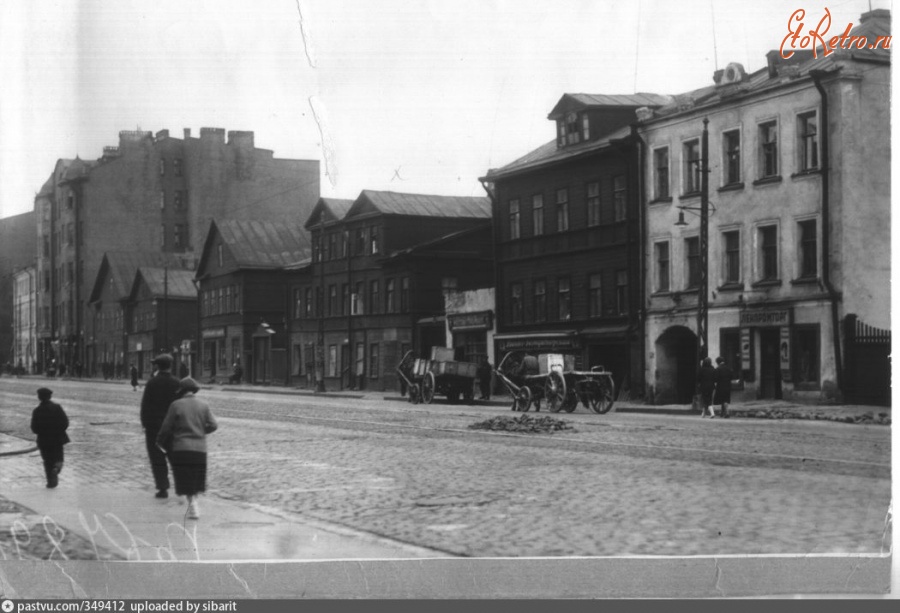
(129, 139)
(187, 133)
(240, 139)
(212, 135)
(775, 61)
(162, 135)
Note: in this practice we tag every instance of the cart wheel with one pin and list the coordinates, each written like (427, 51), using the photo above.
(570, 403)
(522, 401)
(601, 397)
(428, 388)
(414, 393)
(555, 392)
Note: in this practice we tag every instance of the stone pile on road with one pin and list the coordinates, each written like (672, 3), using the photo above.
(523, 423)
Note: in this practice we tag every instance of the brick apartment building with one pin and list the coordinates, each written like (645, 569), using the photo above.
(374, 288)
(150, 193)
(17, 253)
(568, 231)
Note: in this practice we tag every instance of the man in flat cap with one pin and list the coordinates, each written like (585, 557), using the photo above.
(159, 393)
(50, 423)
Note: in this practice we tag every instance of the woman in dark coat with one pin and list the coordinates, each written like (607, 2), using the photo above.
(183, 436)
(724, 375)
(134, 377)
(50, 422)
(706, 383)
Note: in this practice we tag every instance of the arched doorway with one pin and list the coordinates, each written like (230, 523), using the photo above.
(676, 366)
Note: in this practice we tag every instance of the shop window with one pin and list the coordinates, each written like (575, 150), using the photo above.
(730, 349)
(332, 360)
(805, 358)
(373, 360)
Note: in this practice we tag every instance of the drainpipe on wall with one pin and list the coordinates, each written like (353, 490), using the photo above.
(489, 189)
(642, 256)
(833, 296)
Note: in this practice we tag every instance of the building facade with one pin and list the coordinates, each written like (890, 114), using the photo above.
(149, 193)
(798, 238)
(24, 317)
(568, 232)
(17, 250)
(374, 288)
(243, 298)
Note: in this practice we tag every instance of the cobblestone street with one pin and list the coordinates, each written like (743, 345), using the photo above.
(617, 484)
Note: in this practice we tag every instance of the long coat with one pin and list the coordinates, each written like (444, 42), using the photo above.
(50, 422)
(706, 383)
(159, 393)
(187, 423)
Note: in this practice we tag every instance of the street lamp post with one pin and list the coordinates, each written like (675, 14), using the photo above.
(320, 308)
(703, 211)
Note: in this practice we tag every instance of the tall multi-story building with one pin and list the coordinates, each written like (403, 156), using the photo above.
(568, 231)
(17, 245)
(798, 226)
(24, 349)
(374, 288)
(150, 193)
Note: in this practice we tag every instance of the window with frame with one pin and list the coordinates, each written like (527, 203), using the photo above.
(731, 151)
(537, 214)
(374, 296)
(620, 198)
(692, 262)
(162, 200)
(540, 300)
(808, 137)
(307, 302)
(572, 129)
(661, 172)
(564, 288)
(805, 357)
(730, 349)
(360, 241)
(220, 257)
(622, 292)
(320, 302)
(514, 222)
(404, 295)
(731, 247)
(562, 210)
(373, 240)
(162, 233)
(236, 294)
(162, 167)
(179, 200)
(585, 127)
(332, 360)
(345, 299)
(662, 266)
(515, 303)
(768, 253)
(177, 167)
(390, 301)
(332, 300)
(359, 306)
(298, 303)
(809, 249)
(560, 133)
(768, 149)
(691, 150)
(595, 295)
(593, 203)
(178, 236)
(332, 246)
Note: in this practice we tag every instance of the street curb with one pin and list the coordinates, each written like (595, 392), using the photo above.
(17, 452)
(292, 392)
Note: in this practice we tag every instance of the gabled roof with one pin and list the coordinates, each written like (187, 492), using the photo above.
(601, 101)
(122, 266)
(328, 210)
(174, 283)
(78, 169)
(258, 244)
(420, 205)
(433, 244)
(549, 153)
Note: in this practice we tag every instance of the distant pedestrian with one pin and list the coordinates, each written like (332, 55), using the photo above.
(134, 378)
(237, 373)
(50, 422)
(724, 375)
(183, 371)
(159, 393)
(706, 384)
(183, 435)
(485, 374)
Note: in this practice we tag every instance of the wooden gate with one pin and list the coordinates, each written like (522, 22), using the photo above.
(867, 363)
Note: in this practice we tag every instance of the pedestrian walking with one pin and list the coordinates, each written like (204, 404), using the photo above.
(706, 384)
(183, 436)
(485, 374)
(724, 375)
(50, 422)
(134, 378)
(159, 393)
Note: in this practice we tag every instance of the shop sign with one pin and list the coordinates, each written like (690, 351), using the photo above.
(767, 317)
(746, 364)
(213, 332)
(481, 320)
(785, 353)
(538, 344)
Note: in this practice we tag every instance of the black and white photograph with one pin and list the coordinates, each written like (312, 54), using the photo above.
(419, 299)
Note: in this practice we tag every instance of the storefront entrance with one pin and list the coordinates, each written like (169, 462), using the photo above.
(676, 366)
(770, 363)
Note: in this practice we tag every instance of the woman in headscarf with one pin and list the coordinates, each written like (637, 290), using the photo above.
(183, 436)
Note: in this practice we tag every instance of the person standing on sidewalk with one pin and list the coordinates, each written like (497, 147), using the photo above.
(159, 393)
(724, 375)
(706, 383)
(183, 435)
(134, 378)
(50, 423)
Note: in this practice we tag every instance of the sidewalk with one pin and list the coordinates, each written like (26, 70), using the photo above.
(110, 521)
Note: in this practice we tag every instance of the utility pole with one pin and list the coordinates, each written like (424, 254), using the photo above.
(703, 291)
(320, 308)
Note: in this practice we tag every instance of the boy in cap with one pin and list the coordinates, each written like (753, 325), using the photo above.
(159, 393)
(50, 422)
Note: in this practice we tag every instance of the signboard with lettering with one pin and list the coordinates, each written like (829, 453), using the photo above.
(784, 351)
(539, 344)
(481, 320)
(746, 363)
(767, 317)
(213, 332)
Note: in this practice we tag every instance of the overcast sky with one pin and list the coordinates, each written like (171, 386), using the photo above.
(410, 95)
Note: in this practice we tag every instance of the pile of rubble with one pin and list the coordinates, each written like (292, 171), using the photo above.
(523, 424)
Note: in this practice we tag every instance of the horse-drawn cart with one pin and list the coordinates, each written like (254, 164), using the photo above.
(426, 378)
(552, 377)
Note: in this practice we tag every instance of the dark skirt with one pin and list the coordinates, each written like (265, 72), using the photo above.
(189, 470)
(722, 395)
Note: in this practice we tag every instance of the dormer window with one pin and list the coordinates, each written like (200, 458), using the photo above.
(572, 128)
